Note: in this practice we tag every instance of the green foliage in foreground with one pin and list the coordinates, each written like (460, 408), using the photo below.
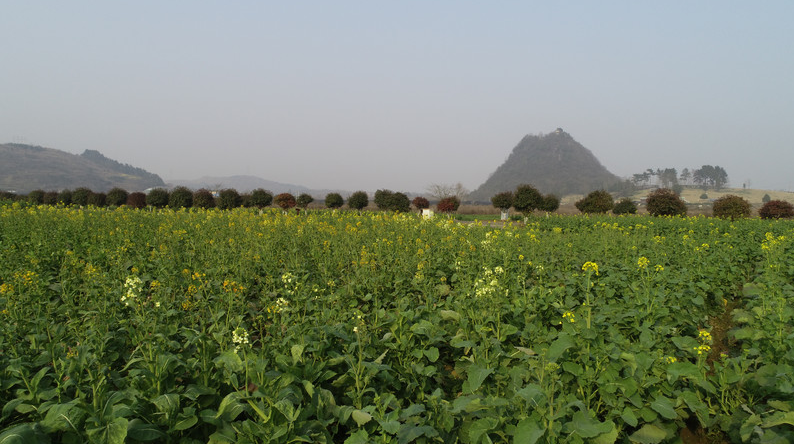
(249, 326)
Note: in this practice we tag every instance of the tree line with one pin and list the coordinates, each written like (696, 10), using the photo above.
(707, 176)
(183, 197)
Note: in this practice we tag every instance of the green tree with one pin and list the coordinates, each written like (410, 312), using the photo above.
(334, 200)
(36, 197)
(50, 198)
(157, 198)
(117, 197)
(358, 200)
(503, 200)
(399, 202)
(766, 198)
(65, 197)
(710, 176)
(203, 198)
(598, 201)
(97, 199)
(80, 196)
(550, 203)
(304, 200)
(664, 202)
(261, 198)
(229, 198)
(527, 199)
(625, 206)
(180, 197)
(382, 199)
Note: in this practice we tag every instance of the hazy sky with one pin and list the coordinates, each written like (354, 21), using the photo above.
(399, 95)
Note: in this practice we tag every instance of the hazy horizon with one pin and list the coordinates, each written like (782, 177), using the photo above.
(359, 95)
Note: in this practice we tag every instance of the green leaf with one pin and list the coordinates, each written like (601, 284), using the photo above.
(297, 353)
(609, 437)
(526, 351)
(480, 428)
(390, 427)
(230, 361)
(683, 369)
(230, 407)
(476, 376)
(224, 436)
(686, 343)
(114, 432)
(167, 404)
(141, 431)
(360, 437)
(361, 417)
(432, 354)
(507, 330)
(648, 414)
(449, 315)
(748, 427)
(64, 417)
(287, 409)
(629, 417)
(696, 405)
(34, 383)
(412, 410)
(184, 423)
(665, 407)
(528, 431)
(409, 433)
(573, 368)
(780, 405)
(533, 394)
(778, 419)
(27, 433)
(648, 434)
(558, 347)
(11, 406)
(588, 427)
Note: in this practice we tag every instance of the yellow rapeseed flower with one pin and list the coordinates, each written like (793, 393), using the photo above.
(590, 266)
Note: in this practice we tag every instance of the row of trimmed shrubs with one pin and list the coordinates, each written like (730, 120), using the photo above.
(665, 202)
(182, 197)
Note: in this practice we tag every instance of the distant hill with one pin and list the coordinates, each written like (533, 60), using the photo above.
(553, 163)
(244, 184)
(25, 168)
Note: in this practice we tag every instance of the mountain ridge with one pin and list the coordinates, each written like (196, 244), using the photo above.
(554, 163)
(28, 167)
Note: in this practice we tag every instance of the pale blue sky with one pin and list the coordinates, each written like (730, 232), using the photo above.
(399, 95)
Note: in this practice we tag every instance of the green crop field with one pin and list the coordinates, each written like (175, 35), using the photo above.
(244, 326)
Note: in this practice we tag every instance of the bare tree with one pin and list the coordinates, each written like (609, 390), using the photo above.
(443, 190)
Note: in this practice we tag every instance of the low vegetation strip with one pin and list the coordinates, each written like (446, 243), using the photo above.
(247, 325)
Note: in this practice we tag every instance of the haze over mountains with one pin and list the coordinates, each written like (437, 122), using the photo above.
(25, 168)
(555, 163)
